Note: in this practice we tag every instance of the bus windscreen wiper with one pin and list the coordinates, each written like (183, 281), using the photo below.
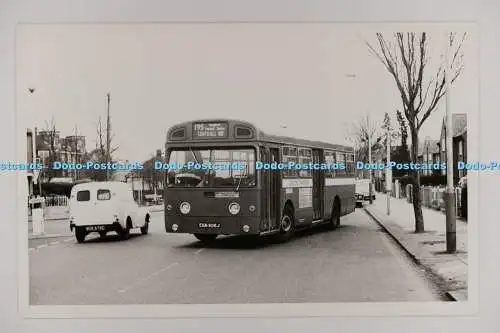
(194, 156)
(241, 177)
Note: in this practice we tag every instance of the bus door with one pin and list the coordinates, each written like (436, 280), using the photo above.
(318, 184)
(274, 189)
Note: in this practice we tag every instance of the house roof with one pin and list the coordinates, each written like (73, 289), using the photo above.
(459, 121)
(431, 145)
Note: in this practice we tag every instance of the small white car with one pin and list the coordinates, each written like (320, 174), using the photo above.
(103, 207)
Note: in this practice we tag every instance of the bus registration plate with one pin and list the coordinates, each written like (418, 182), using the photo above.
(209, 225)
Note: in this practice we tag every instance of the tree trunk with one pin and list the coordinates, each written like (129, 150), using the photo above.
(417, 202)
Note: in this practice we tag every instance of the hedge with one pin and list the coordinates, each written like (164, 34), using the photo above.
(431, 180)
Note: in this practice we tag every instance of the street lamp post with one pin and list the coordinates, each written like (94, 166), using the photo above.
(370, 191)
(451, 237)
(388, 181)
(388, 171)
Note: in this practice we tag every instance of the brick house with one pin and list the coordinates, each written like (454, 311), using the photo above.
(430, 155)
(459, 134)
(69, 149)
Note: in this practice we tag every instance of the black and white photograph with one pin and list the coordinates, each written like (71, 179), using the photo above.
(248, 164)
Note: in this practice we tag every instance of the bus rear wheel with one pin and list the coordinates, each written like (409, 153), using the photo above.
(205, 238)
(335, 220)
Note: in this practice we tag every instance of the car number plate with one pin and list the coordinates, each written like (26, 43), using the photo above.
(95, 228)
(209, 225)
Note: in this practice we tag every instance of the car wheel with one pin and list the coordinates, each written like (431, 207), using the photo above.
(145, 229)
(80, 234)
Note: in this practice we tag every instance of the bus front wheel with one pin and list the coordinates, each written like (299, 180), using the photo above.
(205, 238)
(287, 225)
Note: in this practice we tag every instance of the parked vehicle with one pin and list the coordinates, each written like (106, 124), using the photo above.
(103, 207)
(363, 191)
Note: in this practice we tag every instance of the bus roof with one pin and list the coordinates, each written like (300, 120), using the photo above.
(236, 130)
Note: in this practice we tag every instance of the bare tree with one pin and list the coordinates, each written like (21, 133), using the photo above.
(406, 58)
(401, 154)
(50, 141)
(386, 126)
(100, 153)
(403, 129)
(362, 131)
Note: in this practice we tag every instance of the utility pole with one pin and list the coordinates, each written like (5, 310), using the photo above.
(108, 131)
(451, 236)
(354, 160)
(35, 145)
(76, 151)
(388, 180)
(368, 128)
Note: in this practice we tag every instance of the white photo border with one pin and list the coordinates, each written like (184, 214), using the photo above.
(274, 310)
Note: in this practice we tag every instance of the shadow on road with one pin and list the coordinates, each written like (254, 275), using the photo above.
(256, 243)
(110, 238)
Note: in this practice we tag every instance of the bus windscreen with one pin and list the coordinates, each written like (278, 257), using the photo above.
(218, 167)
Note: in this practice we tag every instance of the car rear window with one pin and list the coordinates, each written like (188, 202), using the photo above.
(103, 195)
(83, 195)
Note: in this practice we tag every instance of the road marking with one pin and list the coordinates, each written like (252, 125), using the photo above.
(41, 246)
(198, 251)
(31, 249)
(54, 243)
(146, 278)
(68, 240)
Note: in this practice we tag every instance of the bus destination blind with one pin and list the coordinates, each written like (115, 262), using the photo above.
(209, 130)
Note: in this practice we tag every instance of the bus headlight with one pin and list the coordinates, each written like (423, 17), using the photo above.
(251, 208)
(185, 208)
(234, 208)
(169, 207)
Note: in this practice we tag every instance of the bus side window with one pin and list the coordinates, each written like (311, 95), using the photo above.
(305, 157)
(340, 158)
(350, 164)
(330, 161)
(289, 154)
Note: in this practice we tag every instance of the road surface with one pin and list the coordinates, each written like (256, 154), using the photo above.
(356, 263)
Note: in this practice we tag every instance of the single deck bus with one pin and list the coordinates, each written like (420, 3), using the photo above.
(208, 198)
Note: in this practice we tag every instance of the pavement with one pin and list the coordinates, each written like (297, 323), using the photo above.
(358, 262)
(427, 249)
(52, 229)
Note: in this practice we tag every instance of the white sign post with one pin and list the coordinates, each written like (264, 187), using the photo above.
(37, 219)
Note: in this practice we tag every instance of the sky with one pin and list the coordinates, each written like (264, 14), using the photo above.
(304, 80)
